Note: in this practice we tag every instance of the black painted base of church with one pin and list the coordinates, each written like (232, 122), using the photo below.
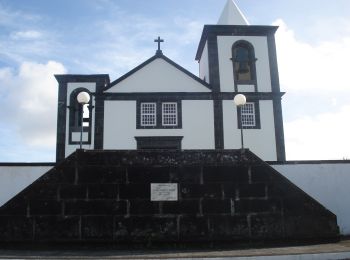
(224, 196)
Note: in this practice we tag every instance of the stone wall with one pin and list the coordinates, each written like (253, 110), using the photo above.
(223, 196)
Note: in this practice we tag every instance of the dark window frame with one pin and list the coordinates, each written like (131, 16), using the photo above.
(75, 111)
(257, 116)
(158, 142)
(252, 60)
(159, 113)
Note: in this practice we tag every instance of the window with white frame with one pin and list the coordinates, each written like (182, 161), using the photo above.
(169, 114)
(248, 115)
(148, 114)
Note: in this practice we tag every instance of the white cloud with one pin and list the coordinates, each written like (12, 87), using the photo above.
(316, 103)
(309, 67)
(29, 99)
(26, 35)
(13, 18)
(323, 136)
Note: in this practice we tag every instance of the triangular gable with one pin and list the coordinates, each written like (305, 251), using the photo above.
(158, 74)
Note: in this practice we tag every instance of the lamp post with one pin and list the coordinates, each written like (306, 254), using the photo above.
(240, 101)
(82, 98)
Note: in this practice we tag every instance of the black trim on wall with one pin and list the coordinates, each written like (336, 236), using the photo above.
(63, 81)
(214, 75)
(61, 119)
(189, 95)
(239, 30)
(36, 164)
(99, 113)
(218, 123)
(277, 104)
(160, 56)
(159, 101)
(158, 142)
(279, 131)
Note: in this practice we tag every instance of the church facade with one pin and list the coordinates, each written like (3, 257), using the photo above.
(161, 105)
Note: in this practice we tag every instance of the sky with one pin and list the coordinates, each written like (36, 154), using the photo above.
(40, 38)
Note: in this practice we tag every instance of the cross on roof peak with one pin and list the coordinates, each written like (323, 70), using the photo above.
(159, 40)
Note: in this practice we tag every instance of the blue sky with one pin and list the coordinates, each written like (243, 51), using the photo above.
(39, 38)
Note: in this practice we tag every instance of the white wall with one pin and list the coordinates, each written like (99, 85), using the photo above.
(262, 64)
(327, 183)
(204, 64)
(197, 125)
(91, 86)
(14, 179)
(119, 125)
(254, 139)
(159, 76)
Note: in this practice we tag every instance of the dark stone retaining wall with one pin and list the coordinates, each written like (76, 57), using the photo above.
(223, 195)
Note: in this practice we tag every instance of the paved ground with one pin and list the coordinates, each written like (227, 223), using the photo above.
(339, 250)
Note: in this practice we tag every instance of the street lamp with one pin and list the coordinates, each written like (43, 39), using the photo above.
(83, 98)
(240, 101)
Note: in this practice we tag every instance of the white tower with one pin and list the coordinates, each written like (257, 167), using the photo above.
(235, 57)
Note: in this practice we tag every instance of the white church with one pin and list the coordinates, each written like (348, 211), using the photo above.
(161, 105)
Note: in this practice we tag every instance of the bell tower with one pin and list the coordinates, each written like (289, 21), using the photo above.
(236, 57)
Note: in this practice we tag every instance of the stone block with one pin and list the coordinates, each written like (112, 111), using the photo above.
(101, 174)
(16, 207)
(309, 226)
(95, 207)
(216, 206)
(63, 174)
(45, 207)
(190, 174)
(73, 191)
(102, 191)
(260, 173)
(42, 191)
(193, 228)
(252, 190)
(144, 207)
(16, 228)
(57, 228)
(148, 174)
(229, 190)
(225, 174)
(228, 227)
(97, 228)
(148, 229)
(135, 191)
(182, 207)
(244, 206)
(267, 226)
(212, 190)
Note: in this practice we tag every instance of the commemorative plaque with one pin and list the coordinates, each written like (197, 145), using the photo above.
(163, 191)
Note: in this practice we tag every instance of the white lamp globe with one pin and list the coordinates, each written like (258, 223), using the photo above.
(83, 97)
(240, 100)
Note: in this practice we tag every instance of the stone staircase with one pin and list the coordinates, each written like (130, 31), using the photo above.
(224, 196)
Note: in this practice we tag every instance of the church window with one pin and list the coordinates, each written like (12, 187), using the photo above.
(169, 114)
(243, 59)
(249, 115)
(158, 113)
(76, 113)
(148, 114)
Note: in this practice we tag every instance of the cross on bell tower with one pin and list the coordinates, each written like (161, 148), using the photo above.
(159, 40)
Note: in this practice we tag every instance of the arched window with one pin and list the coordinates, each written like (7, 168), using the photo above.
(243, 59)
(75, 113)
